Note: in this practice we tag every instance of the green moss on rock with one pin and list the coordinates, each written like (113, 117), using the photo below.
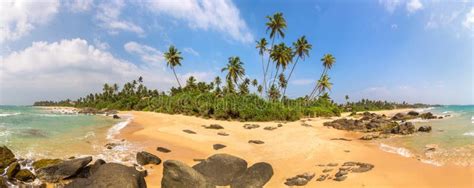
(45, 163)
(6, 157)
(12, 170)
(25, 175)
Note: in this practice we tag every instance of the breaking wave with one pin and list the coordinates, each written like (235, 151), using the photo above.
(401, 151)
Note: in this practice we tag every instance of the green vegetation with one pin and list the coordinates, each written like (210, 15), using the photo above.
(240, 98)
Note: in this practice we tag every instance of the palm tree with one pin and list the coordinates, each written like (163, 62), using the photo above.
(328, 61)
(276, 25)
(323, 85)
(347, 99)
(234, 70)
(282, 81)
(254, 82)
(302, 48)
(260, 89)
(217, 81)
(281, 55)
(173, 59)
(262, 47)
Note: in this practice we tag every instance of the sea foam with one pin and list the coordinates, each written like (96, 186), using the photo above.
(114, 130)
(469, 133)
(9, 114)
(401, 151)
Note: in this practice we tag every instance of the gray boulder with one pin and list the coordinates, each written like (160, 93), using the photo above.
(144, 158)
(178, 174)
(111, 175)
(221, 169)
(424, 128)
(404, 128)
(255, 176)
(6, 157)
(63, 170)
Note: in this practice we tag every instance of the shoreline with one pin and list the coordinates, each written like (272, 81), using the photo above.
(292, 149)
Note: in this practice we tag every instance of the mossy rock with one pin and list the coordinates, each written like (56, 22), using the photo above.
(3, 183)
(45, 163)
(25, 176)
(12, 170)
(6, 157)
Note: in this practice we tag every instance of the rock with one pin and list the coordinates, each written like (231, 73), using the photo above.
(347, 151)
(163, 149)
(6, 157)
(45, 163)
(3, 183)
(427, 115)
(350, 164)
(362, 167)
(213, 126)
(279, 125)
(340, 178)
(322, 177)
(198, 160)
(413, 113)
(341, 173)
(299, 180)
(345, 168)
(111, 175)
(251, 126)
(62, 170)
(221, 169)
(343, 139)
(94, 167)
(327, 170)
(111, 145)
(255, 176)
(398, 116)
(218, 146)
(404, 128)
(88, 110)
(424, 129)
(222, 134)
(25, 176)
(332, 164)
(144, 158)
(178, 174)
(256, 142)
(431, 147)
(306, 125)
(189, 131)
(269, 128)
(369, 136)
(115, 116)
(12, 170)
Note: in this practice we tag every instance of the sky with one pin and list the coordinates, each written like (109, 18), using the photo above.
(395, 50)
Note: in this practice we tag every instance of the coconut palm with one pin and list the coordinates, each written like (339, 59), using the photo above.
(328, 61)
(217, 81)
(276, 25)
(234, 70)
(173, 59)
(260, 89)
(254, 82)
(302, 48)
(281, 55)
(282, 81)
(262, 47)
(323, 85)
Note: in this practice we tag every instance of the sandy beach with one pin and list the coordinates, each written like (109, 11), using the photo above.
(291, 149)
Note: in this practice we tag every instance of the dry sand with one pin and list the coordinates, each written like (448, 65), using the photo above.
(291, 149)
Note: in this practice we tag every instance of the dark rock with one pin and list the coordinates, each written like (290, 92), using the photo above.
(332, 164)
(369, 136)
(299, 180)
(341, 173)
(12, 170)
(62, 170)
(427, 115)
(404, 128)
(327, 170)
(144, 158)
(322, 177)
(25, 176)
(3, 183)
(88, 110)
(222, 134)
(424, 129)
(343, 139)
(111, 175)
(413, 113)
(256, 142)
(94, 167)
(189, 131)
(111, 145)
(45, 163)
(178, 174)
(218, 146)
(115, 116)
(163, 149)
(350, 163)
(221, 169)
(279, 125)
(269, 128)
(198, 160)
(251, 126)
(362, 167)
(345, 168)
(255, 176)
(340, 178)
(306, 125)
(6, 157)
(213, 126)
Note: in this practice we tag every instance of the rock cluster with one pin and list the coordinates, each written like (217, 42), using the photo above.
(343, 171)
(300, 179)
(251, 126)
(217, 170)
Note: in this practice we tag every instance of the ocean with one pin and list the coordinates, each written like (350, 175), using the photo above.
(36, 133)
(453, 135)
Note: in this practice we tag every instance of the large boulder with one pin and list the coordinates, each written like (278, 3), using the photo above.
(3, 183)
(144, 158)
(25, 175)
(413, 113)
(424, 128)
(255, 176)
(6, 157)
(111, 175)
(428, 115)
(404, 128)
(62, 170)
(178, 174)
(45, 162)
(12, 170)
(221, 169)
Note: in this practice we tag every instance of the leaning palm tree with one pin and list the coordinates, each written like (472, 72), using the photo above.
(301, 47)
(234, 70)
(323, 85)
(262, 47)
(276, 25)
(328, 61)
(173, 59)
(281, 55)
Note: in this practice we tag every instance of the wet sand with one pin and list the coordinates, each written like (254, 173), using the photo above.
(291, 149)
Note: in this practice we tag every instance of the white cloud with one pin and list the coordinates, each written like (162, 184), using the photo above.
(70, 69)
(18, 18)
(108, 15)
(390, 5)
(101, 45)
(302, 81)
(469, 20)
(147, 53)
(218, 15)
(191, 51)
(414, 5)
(79, 5)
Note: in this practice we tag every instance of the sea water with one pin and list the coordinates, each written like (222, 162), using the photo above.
(454, 136)
(36, 132)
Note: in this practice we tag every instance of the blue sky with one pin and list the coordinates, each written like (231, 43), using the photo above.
(397, 50)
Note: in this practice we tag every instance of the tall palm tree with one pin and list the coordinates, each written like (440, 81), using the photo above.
(282, 81)
(328, 61)
(281, 55)
(276, 24)
(173, 59)
(262, 47)
(254, 82)
(217, 81)
(301, 47)
(323, 85)
(234, 70)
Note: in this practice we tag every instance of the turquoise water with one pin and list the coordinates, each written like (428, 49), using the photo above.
(33, 132)
(454, 135)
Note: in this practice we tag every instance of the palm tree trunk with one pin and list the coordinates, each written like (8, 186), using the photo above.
(276, 73)
(289, 76)
(315, 87)
(174, 72)
(266, 70)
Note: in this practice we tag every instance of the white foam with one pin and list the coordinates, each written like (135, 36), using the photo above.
(469, 133)
(401, 151)
(114, 130)
(431, 162)
(9, 114)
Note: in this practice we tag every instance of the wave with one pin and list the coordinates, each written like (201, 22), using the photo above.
(469, 133)
(9, 114)
(114, 130)
(401, 151)
(431, 162)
